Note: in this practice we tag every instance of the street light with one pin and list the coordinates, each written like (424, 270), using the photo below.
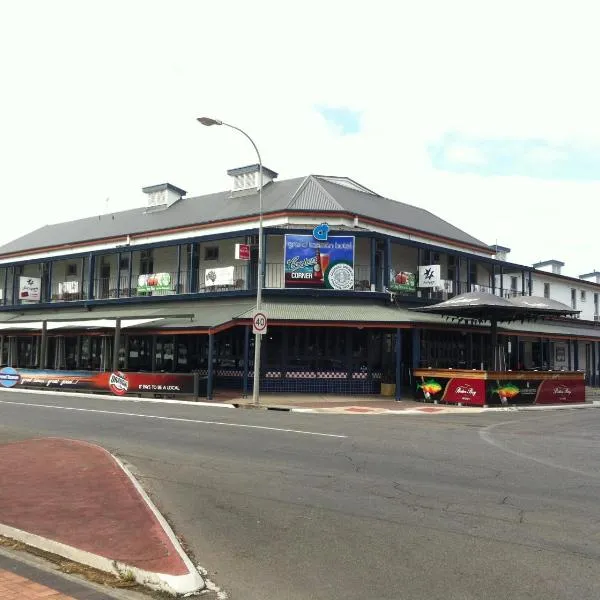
(208, 122)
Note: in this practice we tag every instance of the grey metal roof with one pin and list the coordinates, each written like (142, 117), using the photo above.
(550, 329)
(399, 213)
(312, 193)
(330, 309)
(205, 314)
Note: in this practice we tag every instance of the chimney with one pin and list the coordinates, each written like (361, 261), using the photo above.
(246, 179)
(162, 196)
(593, 277)
(500, 252)
(550, 266)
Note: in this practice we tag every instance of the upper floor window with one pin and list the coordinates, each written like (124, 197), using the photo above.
(211, 253)
(582, 295)
(124, 263)
(573, 298)
(596, 303)
(546, 290)
(514, 284)
(146, 262)
(71, 269)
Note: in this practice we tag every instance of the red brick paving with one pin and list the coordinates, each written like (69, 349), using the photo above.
(75, 493)
(15, 587)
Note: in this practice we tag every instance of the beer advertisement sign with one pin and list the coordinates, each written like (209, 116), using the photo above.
(320, 264)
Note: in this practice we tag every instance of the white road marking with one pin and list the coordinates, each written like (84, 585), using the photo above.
(484, 434)
(125, 414)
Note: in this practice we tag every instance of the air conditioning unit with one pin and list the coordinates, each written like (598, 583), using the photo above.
(597, 318)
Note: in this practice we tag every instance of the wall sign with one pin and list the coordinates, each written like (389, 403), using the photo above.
(29, 289)
(154, 282)
(321, 232)
(218, 276)
(310, 263)
(242, 252)
(429, 276)
(403, 281)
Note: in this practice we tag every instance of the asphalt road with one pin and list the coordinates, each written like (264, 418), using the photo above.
(276, 507)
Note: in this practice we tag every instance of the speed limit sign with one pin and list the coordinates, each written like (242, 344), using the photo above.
(259, 323)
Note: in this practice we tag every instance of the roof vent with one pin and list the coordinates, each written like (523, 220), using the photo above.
(246, 179)
(550, 266)
(162, 196)
(593, 277)
(500, 252)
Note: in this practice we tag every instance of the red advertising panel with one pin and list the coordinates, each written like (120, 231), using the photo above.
(118, 383)
(465, 391)
(562, 391)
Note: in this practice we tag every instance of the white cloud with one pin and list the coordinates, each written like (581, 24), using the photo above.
(466, 155)
(101, 97)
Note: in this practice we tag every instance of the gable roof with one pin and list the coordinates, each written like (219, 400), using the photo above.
(312, 194)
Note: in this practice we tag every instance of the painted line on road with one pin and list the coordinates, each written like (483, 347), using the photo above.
(182, 420)
(484, 434)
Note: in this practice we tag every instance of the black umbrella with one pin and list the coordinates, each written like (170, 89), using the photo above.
(481, 306)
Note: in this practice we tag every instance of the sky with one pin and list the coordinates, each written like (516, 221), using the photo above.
(483, 112)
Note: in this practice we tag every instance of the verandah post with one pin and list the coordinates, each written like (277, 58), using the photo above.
(210, 373)
(398, 364)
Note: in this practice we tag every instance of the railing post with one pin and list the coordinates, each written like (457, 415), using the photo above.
(387, 258)
(118, 287)
(372, 274)
(91, 269)
(117, 345)
(130, 274)
(246, 360)
(210, 372)
(178, 274)
(49, 282)
(398, 364)
(264, 259)
(4, 290)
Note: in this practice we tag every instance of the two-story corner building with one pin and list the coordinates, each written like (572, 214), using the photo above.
(170, 287)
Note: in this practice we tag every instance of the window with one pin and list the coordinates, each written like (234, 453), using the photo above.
(124, 263)
(71, 269)
(211, 253)
(513, 284)
(546, 290)
(573, 298)
(582, 295)
(596, 303)
(146, 262)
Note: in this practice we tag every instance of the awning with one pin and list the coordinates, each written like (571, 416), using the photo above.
(205, 314)
(332, 310)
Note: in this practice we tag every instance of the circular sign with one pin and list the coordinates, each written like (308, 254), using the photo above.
(118, 383)
(341, 277)
(260, 322)
(9, 377)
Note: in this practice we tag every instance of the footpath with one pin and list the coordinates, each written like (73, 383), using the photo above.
(74, 499)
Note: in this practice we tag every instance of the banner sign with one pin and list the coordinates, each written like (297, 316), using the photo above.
(242, 251)
(477, 392)
(311, 263)
(30, 288)
(429, 276)
(403, 281)
(154, 282)
(219, 276)
(68, 287)
(117, 382)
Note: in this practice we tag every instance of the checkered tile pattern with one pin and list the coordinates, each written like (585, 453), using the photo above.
(361, 375)
(316, 375)
(230, 373)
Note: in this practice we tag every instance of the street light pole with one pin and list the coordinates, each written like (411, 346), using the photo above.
(208, 122)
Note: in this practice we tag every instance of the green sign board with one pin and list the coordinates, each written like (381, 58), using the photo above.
(403, 282)
(155, 282)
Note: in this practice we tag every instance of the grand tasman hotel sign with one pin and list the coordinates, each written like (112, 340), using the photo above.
(319, 261)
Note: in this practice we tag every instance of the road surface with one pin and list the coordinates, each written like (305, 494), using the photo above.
(287, 506)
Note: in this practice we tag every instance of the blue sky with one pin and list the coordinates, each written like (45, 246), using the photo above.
(345, 120)
(529, 157)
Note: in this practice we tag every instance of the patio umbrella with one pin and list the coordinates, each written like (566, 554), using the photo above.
(478, 307)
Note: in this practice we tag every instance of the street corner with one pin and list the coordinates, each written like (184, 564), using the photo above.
(59, 503)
